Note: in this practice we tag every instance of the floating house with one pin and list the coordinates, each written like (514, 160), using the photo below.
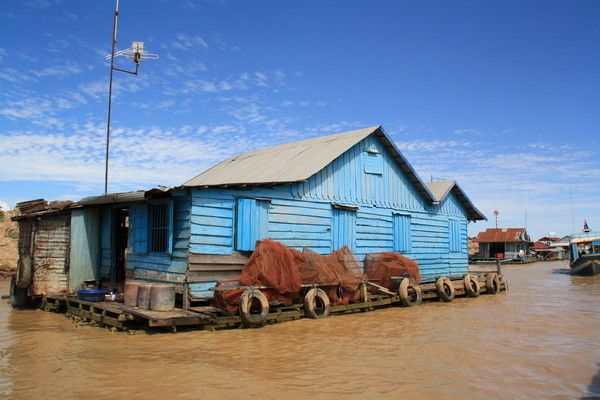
(504, 243)
(351, 189)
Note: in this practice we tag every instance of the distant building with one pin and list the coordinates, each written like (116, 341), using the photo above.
(504, 242)
(548, 239)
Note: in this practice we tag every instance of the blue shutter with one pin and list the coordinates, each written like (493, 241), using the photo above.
(170, 219)
(454, 236)
(373, 163)
(105, 239)
(139, 228)
(344, 226)
(252, 223)
(402, 237)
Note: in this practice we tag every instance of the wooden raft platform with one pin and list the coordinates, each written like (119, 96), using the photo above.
(122, 317)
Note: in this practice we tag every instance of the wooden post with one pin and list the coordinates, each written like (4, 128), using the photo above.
(498, 268)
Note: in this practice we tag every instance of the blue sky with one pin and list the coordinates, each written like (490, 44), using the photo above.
(502, 96)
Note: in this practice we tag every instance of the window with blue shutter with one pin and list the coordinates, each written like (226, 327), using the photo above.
(252, 223)
(454, 236)
(373, 163)
(139, 226)
(344, 229)
(402, 235)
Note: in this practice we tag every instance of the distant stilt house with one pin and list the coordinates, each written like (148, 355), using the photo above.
(504, 243)
(351, 189)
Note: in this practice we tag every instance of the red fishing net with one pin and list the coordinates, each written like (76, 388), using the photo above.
(381, 267)
(338, 270)
(283, 271)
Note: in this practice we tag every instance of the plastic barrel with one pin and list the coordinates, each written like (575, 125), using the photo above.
(162, 297)
(131, 293)
(143, 295)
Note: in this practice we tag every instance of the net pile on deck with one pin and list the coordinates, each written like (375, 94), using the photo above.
(380, 268)
(283, 271)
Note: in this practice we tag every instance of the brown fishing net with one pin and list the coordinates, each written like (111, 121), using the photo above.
(339, 270)
(381, 267)
(283, 271)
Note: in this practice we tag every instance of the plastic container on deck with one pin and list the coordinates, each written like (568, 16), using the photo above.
(93, 295)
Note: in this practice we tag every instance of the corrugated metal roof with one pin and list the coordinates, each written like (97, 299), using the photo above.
(290, 162)
(124, 197)
(441, 189)
(296, 161)
(503, 235)
(114, 198)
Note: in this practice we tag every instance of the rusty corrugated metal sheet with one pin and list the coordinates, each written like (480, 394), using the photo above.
(503, 235)
(51, 255)
(40, 207)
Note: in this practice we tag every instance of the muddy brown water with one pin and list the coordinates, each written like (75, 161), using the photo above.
(540, 340)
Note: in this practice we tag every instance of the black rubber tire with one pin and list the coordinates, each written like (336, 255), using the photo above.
(246, 300)
(472, 288)
(410, 293)
(445, 288)
(18, 296)
(492, 283)
(311, 306)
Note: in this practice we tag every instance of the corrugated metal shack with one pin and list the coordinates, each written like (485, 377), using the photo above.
(504, 243)
(44, 246)
(353, 188)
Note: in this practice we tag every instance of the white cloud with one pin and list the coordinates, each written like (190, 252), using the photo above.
(186, 42)
(59, 70)
(14, 76)
(538, 177)
(148, 156)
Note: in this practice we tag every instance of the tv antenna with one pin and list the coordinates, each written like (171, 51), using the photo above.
(135, 53)
(496, 213)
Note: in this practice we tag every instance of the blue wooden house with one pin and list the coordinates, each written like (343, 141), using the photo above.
(353, 188)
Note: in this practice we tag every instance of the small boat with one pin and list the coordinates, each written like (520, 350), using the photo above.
(585, 254)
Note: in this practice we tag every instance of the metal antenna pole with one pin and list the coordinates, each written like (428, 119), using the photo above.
(112, 64)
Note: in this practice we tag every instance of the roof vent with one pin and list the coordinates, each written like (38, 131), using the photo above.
(371, 149)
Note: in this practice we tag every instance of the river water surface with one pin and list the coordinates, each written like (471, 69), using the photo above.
(541, 340)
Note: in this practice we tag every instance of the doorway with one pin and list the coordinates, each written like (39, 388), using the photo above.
(121, 241)
(497, 249)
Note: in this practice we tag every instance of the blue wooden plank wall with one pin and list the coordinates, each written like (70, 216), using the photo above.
(344, 181)
(161, 267)
(301, 215)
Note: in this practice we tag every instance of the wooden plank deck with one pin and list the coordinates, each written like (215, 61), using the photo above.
(123, 317)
